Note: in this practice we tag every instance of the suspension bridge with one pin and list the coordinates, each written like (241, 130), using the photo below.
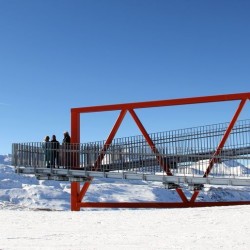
(216, 154)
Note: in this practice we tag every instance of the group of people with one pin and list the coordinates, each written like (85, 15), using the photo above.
(51, 148)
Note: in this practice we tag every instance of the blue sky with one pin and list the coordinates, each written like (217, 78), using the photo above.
(56, 55)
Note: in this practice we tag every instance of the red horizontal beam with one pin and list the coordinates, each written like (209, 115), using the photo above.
(162, 103)
(159, 204)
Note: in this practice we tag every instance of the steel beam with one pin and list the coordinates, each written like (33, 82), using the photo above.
(164, 103)
(160, 204)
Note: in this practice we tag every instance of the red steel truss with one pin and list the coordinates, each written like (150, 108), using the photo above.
(78, 192)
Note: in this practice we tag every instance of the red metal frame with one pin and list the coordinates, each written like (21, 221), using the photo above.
(78, 192)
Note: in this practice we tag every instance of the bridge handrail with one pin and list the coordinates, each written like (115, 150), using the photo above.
(80, 156)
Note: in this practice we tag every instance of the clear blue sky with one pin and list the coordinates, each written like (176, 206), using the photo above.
(59, 54)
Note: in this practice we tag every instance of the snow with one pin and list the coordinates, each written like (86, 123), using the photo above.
(202, 228)
(36, 215)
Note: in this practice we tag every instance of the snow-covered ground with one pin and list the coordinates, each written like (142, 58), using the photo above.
(36, 215)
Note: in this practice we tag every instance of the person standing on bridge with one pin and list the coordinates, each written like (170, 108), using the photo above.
(47, 151)
(66, 149)
(66, 138)
(54, 152)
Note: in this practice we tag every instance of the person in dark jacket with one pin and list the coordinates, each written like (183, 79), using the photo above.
(54, 152)
(47, 151)
(66, 138)
(66, 150)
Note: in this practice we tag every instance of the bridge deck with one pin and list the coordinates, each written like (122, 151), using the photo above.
(83, 175)
(187, 153)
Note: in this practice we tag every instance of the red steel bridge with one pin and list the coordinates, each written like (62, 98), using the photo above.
(217, 154)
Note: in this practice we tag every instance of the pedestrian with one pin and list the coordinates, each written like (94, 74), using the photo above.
(54, 152)
(47, 151)
(66, 138)
(66, 149)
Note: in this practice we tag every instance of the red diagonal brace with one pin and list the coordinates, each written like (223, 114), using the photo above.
(160, 159)
(225, 136)
(109, 139)
(184, 198)
(182, 195)
(84, 189)
(194, 196)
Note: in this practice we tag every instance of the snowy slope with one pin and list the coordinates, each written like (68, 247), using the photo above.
(229, 167)
(5, 159)
(24, 192)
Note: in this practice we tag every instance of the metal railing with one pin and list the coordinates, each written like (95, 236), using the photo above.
(185, 152)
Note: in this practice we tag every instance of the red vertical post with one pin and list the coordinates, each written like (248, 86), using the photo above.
(75, 201)
(75, 126)
(75, 140)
